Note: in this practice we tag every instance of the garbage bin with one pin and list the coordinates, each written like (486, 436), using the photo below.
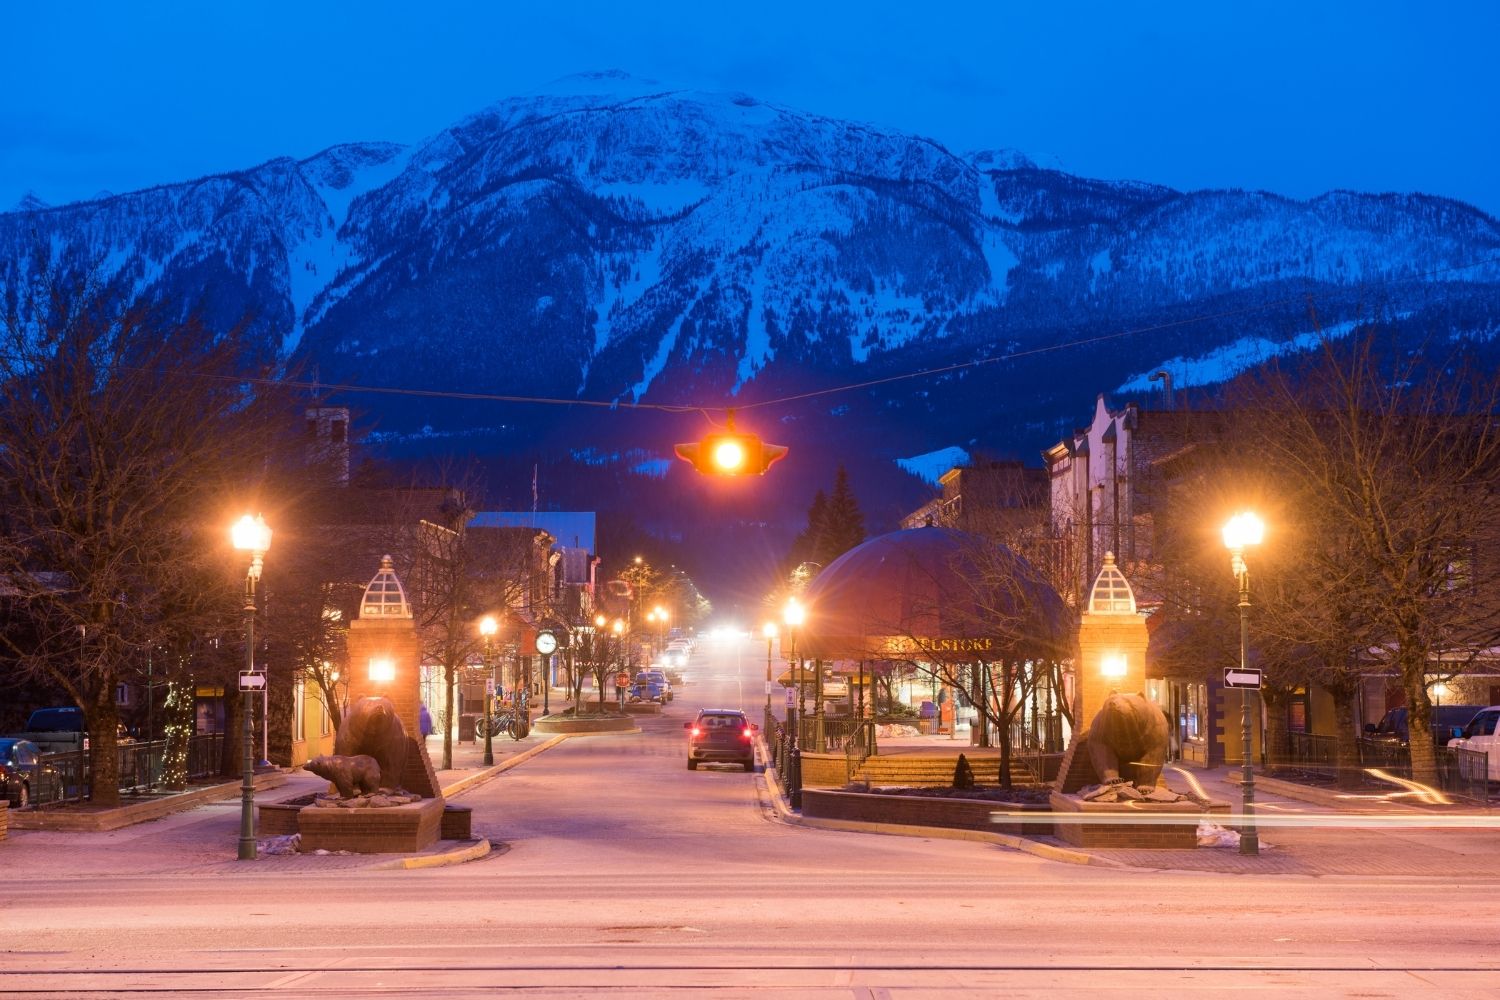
(466, 728)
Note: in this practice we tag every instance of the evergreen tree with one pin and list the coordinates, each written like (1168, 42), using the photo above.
(805, 547)
(843, 523)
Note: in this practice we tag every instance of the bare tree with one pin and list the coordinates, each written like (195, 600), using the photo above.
(1401, 450)
(123, 436)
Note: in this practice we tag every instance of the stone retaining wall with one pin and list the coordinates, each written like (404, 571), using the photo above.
(923, 810)
(88, 820)
(558, 724)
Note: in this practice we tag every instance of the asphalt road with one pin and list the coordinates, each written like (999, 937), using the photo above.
(624, 872)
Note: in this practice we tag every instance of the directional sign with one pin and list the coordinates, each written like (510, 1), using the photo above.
(252, 680)
(1239, 677)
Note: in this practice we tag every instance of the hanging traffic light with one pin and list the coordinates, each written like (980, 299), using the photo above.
(731, 453)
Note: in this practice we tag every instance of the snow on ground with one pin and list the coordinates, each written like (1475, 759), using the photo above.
(1228, 361)
(930, 467)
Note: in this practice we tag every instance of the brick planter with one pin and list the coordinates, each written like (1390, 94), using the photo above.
(1141, 825)
(397, 830)
(4, 819)
(278, 819)
(562, 724)
(924, 810)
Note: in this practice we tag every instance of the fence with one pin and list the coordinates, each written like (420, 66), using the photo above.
(66, 777)
(1460, 771)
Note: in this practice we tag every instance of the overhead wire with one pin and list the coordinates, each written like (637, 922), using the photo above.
(318, 386)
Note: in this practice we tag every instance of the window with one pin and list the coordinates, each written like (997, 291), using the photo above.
(1483, 725)
(299, 709)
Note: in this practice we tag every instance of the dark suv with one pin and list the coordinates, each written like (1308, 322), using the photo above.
(720, 736)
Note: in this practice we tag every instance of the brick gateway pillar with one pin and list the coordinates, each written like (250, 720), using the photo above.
(385, 656)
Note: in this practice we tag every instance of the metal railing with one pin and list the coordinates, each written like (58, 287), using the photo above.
(1460, 771)
(1313, 753)
(787, 757)
(67, 777)
(859, 745)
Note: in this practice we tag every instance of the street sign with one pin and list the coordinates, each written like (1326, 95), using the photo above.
(252, 680)
(768, 687)
(791, 697)
(489, 685)
(1238, 677)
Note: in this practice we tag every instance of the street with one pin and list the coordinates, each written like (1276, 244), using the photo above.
(617, 869)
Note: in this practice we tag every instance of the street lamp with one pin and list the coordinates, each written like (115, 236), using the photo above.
(487, 628)
(660, 616)
(792, 616)
(254, 536)
(769, 631)
(1242, 530)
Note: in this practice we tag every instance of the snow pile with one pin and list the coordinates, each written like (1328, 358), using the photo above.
(281, 845)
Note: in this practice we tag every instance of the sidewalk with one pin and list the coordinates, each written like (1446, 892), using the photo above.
(205, 839)
(1362, 836)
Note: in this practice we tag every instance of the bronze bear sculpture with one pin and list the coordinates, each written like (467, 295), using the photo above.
(1127, 741)
(371, 727)
(357, 775)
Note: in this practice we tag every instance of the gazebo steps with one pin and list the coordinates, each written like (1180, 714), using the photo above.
(935, 770)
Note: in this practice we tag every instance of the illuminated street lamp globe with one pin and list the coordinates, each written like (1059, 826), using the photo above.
(1242, 530)
(794, 614)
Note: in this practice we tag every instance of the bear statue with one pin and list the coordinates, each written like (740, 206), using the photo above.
(371, 727)
(1127, 741)
(357, 775)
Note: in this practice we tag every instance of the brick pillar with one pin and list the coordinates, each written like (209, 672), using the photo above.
(1115, 639)
(393, 639)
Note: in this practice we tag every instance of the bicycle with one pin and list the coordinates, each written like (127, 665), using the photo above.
(506, 722)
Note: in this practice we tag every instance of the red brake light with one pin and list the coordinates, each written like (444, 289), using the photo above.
(697, 731)
(746, 733)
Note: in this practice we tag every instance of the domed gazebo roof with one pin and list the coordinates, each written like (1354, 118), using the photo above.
(933, 593)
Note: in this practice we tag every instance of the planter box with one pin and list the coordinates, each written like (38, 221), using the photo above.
(561, 724)
(923, 810)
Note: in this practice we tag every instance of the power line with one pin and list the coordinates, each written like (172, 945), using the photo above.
(341, 387)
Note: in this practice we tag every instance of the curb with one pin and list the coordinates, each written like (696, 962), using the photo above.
(475, 780)
(1326, 797)
(457, 857)
(1047, 851)
(132, 813)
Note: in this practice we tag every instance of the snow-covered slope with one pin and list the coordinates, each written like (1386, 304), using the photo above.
(617, 238)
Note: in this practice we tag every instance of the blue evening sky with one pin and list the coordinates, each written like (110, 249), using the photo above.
(1297, 98)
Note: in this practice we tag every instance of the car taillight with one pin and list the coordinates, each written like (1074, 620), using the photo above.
(697, 731)
(746, 734)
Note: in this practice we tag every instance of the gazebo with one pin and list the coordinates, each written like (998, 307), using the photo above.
(968, 610)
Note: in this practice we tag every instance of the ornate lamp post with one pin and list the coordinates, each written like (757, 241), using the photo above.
(769, 631)
(1242, 530)
(792, 616)
(487, 628)
(254, 536)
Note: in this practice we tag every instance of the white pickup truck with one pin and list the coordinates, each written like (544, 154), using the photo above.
(1479, 734)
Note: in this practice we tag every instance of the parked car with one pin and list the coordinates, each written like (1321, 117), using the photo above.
(1479, 734)
(24, 778)
(651, 685)
(720, 736)
(1445, 718)
(55, 730)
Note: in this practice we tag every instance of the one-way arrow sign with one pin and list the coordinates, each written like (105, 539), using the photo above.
(252, 680)
(1237, 677)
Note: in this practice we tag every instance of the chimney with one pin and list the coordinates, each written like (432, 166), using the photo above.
(328, 443)
(1165, 377)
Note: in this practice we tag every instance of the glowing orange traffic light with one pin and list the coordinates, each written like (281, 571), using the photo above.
(731, 453)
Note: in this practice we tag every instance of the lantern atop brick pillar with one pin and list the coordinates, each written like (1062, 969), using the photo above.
(1111, 643)
(384, 652)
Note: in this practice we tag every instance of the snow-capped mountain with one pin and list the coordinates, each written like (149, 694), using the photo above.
(612, 238)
